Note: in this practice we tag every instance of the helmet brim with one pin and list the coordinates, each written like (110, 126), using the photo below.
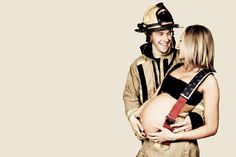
(158, 28)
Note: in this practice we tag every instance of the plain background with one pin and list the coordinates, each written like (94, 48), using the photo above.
(63, 66)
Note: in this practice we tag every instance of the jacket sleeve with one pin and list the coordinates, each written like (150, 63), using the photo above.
(197, 116)
(131, 94)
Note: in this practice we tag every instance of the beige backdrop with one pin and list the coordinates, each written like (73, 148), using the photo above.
(63, 66)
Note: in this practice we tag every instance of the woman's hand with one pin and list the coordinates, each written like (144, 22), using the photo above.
(162, 136)
(184, 125)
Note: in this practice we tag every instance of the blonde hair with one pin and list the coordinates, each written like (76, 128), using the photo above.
(199, 47)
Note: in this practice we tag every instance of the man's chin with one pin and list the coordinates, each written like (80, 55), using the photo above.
(165, 52)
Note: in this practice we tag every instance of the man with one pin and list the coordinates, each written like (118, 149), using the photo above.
(147, 71)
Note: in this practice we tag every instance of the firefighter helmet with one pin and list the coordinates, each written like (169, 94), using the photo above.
(156, 18)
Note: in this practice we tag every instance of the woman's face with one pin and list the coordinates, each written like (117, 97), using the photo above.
(181, 47)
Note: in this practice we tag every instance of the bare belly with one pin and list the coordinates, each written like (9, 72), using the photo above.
(155, 111)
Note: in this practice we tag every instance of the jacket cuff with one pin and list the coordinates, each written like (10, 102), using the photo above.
(196, 120)
(130, 113)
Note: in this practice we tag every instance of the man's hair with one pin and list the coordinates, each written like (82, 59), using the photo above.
(198, 47)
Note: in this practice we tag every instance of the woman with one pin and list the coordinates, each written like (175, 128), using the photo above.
(196, 52)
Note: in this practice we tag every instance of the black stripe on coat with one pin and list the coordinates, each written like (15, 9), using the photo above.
(143, 82)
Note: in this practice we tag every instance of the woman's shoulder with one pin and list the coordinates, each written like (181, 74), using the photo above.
(209, 83)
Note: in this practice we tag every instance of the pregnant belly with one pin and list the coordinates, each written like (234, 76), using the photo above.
(155, 111)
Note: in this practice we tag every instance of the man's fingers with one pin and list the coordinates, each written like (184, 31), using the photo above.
(140, 127)
(137, 128)
(140, 136)
(139, 131)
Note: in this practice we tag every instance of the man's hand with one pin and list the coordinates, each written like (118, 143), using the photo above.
(137, 127)
(184, 125)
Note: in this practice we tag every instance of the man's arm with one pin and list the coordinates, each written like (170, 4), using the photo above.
(132, 102)
(131, 92)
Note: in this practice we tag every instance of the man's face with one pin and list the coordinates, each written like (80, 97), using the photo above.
(162, 40)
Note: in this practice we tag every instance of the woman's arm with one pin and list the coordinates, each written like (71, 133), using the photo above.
(211, 94)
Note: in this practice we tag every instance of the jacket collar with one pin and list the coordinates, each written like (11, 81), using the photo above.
(146, 49)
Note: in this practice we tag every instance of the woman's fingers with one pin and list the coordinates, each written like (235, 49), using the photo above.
(179, 124)
(154, 137)
(184, 125)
